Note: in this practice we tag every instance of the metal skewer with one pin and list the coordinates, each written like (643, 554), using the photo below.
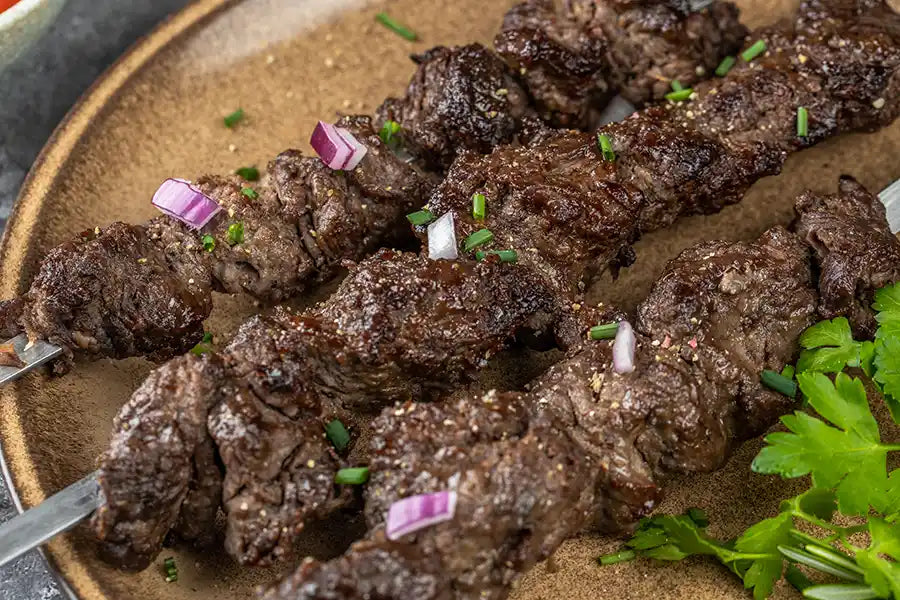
(67, 508)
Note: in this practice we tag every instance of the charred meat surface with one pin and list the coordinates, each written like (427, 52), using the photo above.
(400, 326)
(127, 290)
(585, 441)
(839, 228)
(575, 54)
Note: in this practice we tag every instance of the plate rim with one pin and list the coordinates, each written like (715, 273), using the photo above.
(43, 174)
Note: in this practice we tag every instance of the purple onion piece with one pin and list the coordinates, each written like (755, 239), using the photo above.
(624, 347)
(417, 512)
(330, 146)
(180, 200)
(358, 149)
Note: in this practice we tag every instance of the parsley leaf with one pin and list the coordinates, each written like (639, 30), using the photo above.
(829, 347)
(887, 372)
(881, 574)
(764, 538)
(887, 303)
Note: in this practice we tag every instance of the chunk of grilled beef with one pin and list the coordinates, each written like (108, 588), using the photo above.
(574, 54)
(585, 446)
(565, 201)
(128, 290)
(400, 326)
(838, 227)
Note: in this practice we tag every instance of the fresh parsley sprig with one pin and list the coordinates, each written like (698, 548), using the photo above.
(841, 448)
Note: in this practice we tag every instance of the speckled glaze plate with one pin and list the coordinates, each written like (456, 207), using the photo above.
(158, 113)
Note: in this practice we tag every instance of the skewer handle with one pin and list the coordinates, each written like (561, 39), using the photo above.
(53, 516)
(35, 355)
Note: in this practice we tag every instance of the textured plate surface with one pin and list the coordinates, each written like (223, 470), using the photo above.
(157, 114)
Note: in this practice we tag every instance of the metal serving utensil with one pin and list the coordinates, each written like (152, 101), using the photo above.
(67, 508)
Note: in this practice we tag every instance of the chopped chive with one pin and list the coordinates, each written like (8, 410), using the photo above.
(755, 50)
(698, 516)
(207, 338)
(604, 332)
(421, 217)
(618, 557)
(788, 371)
(248, 173)
(209, 242)
(478, 207)
(508, 256)
(725, 66)
(235, 234)
(396, 27)
(388, 133)
(779, 383)
(352, 476)
(250, 193)
(680, 95)
(338, 434)
(676, 86)
(804, 558)
(482, 236)
(606, 147)
(834, 557)
(234, 118)
(171, 570)
(802, 122)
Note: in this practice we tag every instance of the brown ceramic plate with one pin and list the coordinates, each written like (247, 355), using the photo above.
(158, 113)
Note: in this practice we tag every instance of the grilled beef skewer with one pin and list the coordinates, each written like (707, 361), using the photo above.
(389, 332)
(127, 290)
(589, 447)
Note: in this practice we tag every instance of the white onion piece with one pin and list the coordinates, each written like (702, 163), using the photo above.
(442, 238)
(616, 110)
(624, 347)
(890, 197)
(358, 150)
(180, 200)
(330, 145)
(417, 512)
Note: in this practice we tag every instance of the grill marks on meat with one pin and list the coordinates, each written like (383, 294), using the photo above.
(855, 249)
(574, 54)
(462, 98)
(400, 326)
(560, 204)
(145, 289)
(589, 444)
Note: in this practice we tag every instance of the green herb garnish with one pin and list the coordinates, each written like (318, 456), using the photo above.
(248, 173)
(209, 242)
(605, 146)
(725, 66)
(779, 383)
(680, 95)
(250, 193)
(204, 345)
(478, 207)
(388, 133)
(234, 118)
(338, 435)
(840, 447)
(352, 476)
(755, 50)
(171, 570)
(507, 256)
(604, 332)
(480, 237)
(802, 122)
(676, 86)
(235, 233)
(421, 217)
(396, 27)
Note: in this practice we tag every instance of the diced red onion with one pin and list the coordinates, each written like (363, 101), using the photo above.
(624, 347)
(417, 512)
(337, 147)
(180, 200)
(442, 238)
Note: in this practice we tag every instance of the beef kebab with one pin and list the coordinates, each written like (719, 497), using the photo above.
(403, 326)
(127, 290)
(591, 444)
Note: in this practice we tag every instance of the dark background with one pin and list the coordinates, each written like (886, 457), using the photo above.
(36, 91)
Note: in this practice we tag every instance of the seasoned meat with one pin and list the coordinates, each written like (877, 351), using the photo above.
(587, 446)
(399, 327)
(127, 290)
(461, 98)
(839, 227)
(574, 54)
(157, 464)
